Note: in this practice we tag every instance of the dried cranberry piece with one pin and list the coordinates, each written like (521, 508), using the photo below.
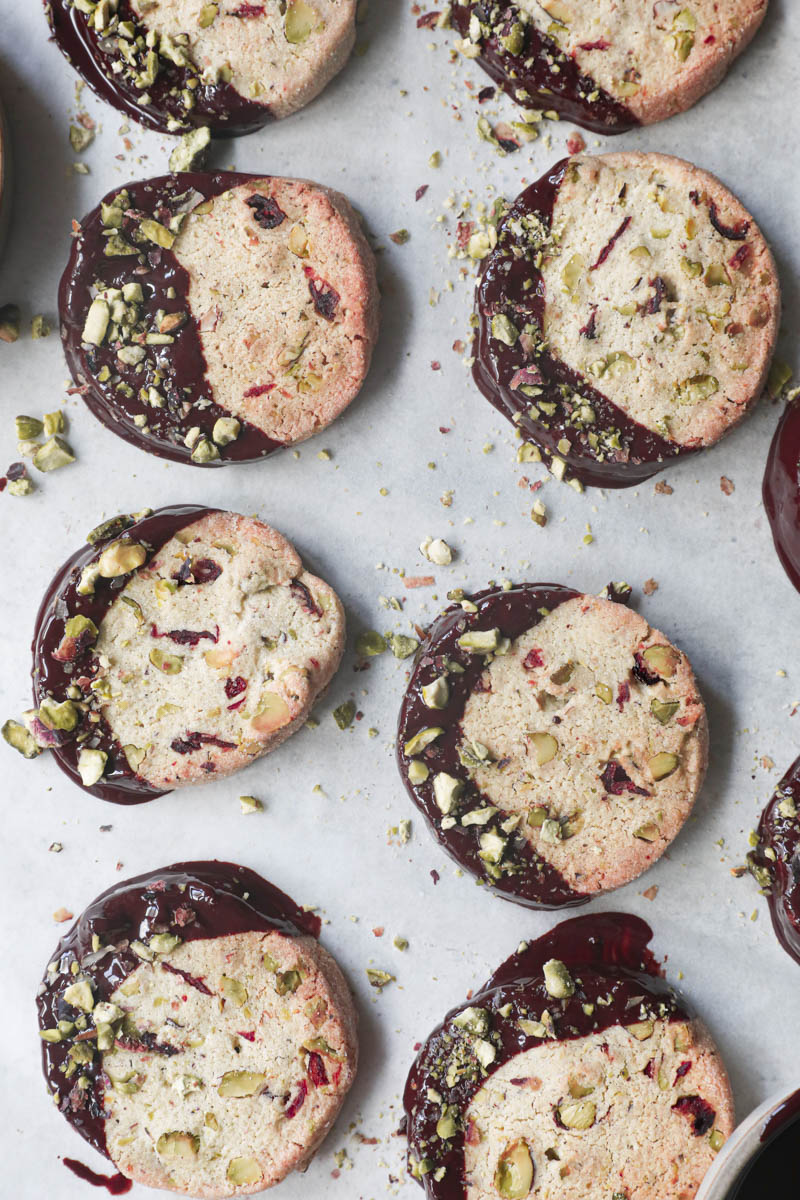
(259, 389)
(146, 1043)
(316, 1069)
(532, 660)
(660, 290)
(293, 1108)
(205, 570)
(623, 694)
(602, 44)
(192, 980)
(589, 330)
(326, 299)
(196, 741)
(616, 780)
(610, 244)
(301, 593)
(248, 1034)
(17, 470)
(530, 376)
(736, 260)
(643, 672)
(233, 687)
(487, 93)
(734, 233)
(266, 211)
(428, 20)
(682, 1070)
(700, 1111)
(185, 637)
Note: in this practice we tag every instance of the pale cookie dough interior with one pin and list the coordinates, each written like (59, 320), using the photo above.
(238, 1101)
(271, 358)
(657, 58)
(277, 54)
(250, 680)
(553, 728)
(682, 333)
(622, 1090)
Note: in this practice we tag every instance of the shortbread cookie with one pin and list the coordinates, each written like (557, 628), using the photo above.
(178, 647)
(195, 1032)
(175, 65)
(626, 316)
(605, 65)
(781, 490)
(775, 860)
(212, 318)
(575, 1071)
(554, 741)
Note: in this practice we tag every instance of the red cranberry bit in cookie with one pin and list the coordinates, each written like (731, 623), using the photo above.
(326, 299)
(185, 637)
(701, 1113)
(316, 1069)
(192, 980)
(266, 211)
(196, 741)
(734, 233)
(609, 246)
(235, 687)
(293, 1108)
(616, 780)
(533, 659)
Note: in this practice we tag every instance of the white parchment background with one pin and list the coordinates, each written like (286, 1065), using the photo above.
(722, 596)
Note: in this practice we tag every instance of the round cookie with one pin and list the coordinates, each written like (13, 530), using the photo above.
(575, 1071)
(781, 491)
(605, 65)
(554, 742)
(195, 1032)
(213, 318)
(626, 316)
(775, 860)
(177, 647)
(175, 65)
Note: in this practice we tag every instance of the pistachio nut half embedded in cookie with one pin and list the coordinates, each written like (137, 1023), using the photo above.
(176, 65)
(604, 64)
(195, 1032)
(626, 316)
(575, 1071)
(554, 741)
(177, 647)
(214, 318)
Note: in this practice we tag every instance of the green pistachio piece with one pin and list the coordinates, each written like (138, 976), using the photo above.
(120, 558)
(21, 487)
(20, 739)
(492, 846)
(485, 1052)
(370, 643)
(226, 430)
(480, 641)
(164, 943)
(716, 276)
(80, 995)
(446, 791)
(178, 1145)
(474, 1020)
(91, 765)
(513, 1177)
(107, 529)
(663, 660)
(344, 714)
(55, 453)
(692, 269)
(572, 273)
(697, 389)
(780, 374)
(662, 765)
(379, 979)
(422, 739)
(640, 253)
(51, 1035)
(474, 754)
(54, 423)
(558, 980)
(191, 151)
(446, 1126)
(545, 747)
(300, 22)
(664, 710)
(63, 716)
(716, 1140)
(97, 322)
(170, 664)
(287, 982)
(436, 694)
(243, 1170)
(417, 772)
(641, 1030)
(402, 646)
(155, 232)
(234, 990)
(514, 40)
(504, 330)
(204, 451)
(40, 327)
(577, 1114)
(649, 832)
(235, 1084)
(604, 693)
(28, 427)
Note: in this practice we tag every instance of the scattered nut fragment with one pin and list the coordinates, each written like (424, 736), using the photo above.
(80, 138)
(379, 979)
(226, 430)
(54, 454)
(400, 237)
(249, 804)
(120, 558)
(40, 327)
(370, 644)
(62, 914)
(191, 151)
(91, 765)
(558, 980)
(402, 646)
(20, 739)
(437, 551)
(649, 586)
(344, 714)
(726, 485)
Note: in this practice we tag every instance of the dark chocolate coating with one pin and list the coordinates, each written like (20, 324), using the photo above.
(781, 491)
(52, 677)
(224, 898)
(533, 882)
(776, 1169)
(781, 875)
(181, 363)
(608, 957)
(548, 78)
(219, 106)
(501, 290)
